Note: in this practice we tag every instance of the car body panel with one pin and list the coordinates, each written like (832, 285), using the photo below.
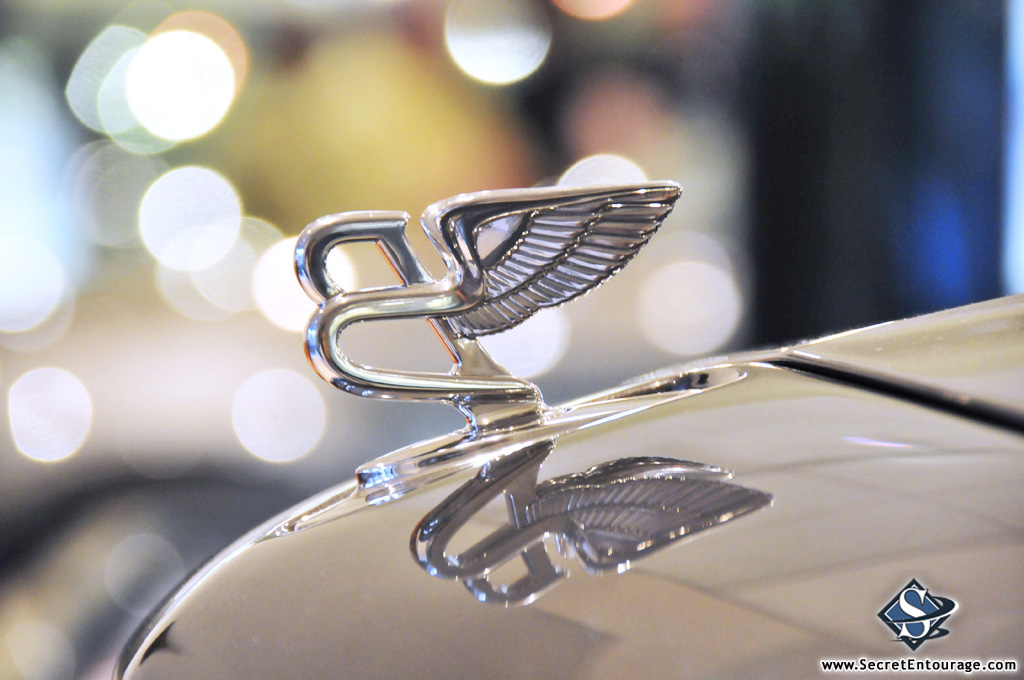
(970, 353)
(870, 490)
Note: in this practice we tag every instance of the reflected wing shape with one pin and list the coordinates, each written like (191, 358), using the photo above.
(541, 247)
(616, 522)
(607, 517)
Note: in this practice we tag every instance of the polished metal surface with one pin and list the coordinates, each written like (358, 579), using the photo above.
(876, 475)
(869, 491)
(972, 356)
(508, 254)
(606, 517)
(410, 468)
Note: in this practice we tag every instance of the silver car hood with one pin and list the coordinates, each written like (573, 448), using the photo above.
(859, 463)
(972, 356)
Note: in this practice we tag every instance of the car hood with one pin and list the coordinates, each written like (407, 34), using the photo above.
(972, 356)
(742, 516)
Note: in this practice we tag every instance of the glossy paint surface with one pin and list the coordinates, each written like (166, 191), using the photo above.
(975, 351)
(869, 492)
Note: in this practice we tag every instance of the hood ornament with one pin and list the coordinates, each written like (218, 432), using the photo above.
(508, 254)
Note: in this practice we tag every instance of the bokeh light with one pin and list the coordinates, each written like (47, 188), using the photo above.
(32, 282)
(50, 413)
(618, 110)
(179, 85)
(689, 307)
(593, 10)
(211, 26)
(497, 41)
(107, 184)
(278, 415)
(533, 348)
(227, 283)
(189, 218)
(40, 651)
(116, 116)
(277, 291)
(178, 289)
(600, 169)
(149, 93)
(34, 146)
(139, 571)
(323, 9)
(44, 334)
(92, 69)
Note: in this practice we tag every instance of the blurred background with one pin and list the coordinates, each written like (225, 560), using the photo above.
(842, 163)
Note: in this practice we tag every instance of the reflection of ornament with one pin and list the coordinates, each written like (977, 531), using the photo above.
(606, 517)
(508, 254)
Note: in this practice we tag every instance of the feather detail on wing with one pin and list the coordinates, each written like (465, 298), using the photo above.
(560, 243)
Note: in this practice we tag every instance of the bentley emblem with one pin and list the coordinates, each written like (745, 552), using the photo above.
(507, 253)
(606, 517)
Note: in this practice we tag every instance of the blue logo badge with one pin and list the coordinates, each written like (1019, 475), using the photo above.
(915, 615)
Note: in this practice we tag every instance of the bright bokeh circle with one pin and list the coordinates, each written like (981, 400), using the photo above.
(593, 10)
(189, 218)
(278, 415)
(497, 41)
(32, 282)
(534, 347)
(689, 307)
(602, 168)
(179, 85)
(276, 289)
(50, 414)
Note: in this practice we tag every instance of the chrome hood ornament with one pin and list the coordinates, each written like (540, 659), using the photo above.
(508, 254)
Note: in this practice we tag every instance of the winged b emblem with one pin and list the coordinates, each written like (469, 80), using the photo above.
(508, 254)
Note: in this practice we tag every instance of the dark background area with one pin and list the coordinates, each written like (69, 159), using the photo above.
(878, 134)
